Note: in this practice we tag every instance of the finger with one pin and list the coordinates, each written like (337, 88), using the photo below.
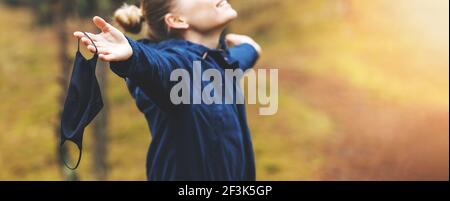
(232, 37)
(106, 57)
(101, 50)
(86, 41)
(92, 48)
(78, 34)
(94, 37)
(81, 36)
(231, 40)
(101, 24)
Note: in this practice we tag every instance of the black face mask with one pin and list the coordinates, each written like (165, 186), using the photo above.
(83, 102)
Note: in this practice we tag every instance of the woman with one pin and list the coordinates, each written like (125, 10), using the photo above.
(189, 141)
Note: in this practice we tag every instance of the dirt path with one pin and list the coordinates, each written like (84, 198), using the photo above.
(375, 139)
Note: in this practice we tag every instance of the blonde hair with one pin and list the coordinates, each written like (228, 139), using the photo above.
(131, 18)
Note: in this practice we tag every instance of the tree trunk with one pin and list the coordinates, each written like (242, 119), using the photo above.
(59, 15)
(100, 129)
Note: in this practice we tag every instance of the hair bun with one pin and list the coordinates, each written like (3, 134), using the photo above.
(130, 18)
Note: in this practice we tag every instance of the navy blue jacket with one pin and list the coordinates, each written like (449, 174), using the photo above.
(189, 142)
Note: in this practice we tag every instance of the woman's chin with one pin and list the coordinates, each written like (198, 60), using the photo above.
(227, 11)
(225, 17)
(231, 14)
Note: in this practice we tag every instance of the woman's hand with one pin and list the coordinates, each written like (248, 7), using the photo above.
(111, 43)
(235, 39)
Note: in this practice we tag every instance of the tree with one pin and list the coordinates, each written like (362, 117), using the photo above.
(55, 13)
(59, 16)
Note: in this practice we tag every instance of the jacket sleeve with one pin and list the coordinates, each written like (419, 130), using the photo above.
(245, 54)
(150, 69)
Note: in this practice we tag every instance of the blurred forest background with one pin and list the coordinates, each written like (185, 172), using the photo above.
(363, 91)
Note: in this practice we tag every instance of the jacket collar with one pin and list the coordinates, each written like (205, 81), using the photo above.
(220, 54)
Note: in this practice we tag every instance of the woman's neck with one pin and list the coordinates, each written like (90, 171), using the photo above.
(210, 40)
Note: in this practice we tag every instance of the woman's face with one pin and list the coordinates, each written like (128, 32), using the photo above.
(205, 15)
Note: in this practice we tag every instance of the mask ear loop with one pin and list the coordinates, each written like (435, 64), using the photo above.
(92, 41)
(63, 157)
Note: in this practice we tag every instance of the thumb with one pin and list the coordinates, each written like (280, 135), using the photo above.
(232, 39)
(101, 24)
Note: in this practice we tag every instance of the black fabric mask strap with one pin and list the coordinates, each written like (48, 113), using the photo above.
(92, 41)
(64, 158)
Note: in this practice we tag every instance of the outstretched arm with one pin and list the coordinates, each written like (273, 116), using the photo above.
(148, 67)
